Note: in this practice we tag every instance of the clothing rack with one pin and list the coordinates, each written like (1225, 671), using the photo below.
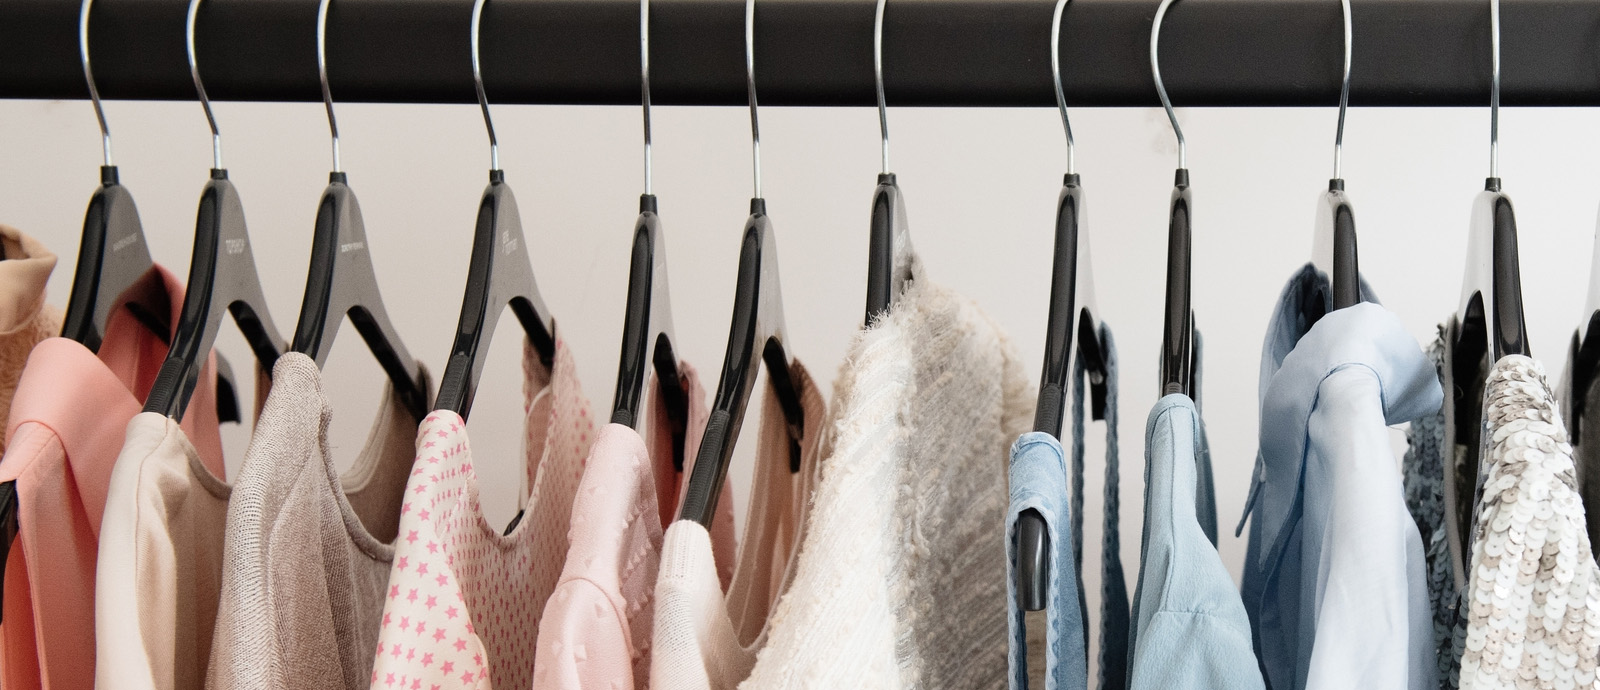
(813, 52)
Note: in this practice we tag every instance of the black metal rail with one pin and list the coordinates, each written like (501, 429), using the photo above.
(814, 52)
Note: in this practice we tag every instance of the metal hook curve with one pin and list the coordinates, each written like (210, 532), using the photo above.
(477, 81)
(1344, 97)
(877, 74)
(88, 76)
(322, 74)
(644, 79)
(750, 85)
(1155, 71)
(1494, 90)
(200, 87)
(1055, 71)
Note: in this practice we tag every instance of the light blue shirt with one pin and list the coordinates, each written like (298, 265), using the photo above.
(1190, 630)
(1038, 480)
(1335, 576)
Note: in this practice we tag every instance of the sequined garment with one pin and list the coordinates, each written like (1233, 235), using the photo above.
(1423, 469)
(1533, 593)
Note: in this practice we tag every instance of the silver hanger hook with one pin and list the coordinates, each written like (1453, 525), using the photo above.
(644, 79)
(877, 74)
(1344, 97)
(1494, 90)
(477, 80)
(322, 73)
(88, 76)
(200, 87)
(750, 85)
(1055, 70)
(1155, 71)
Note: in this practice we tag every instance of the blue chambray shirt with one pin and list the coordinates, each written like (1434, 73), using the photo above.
(1190, 630)
(1335, 576)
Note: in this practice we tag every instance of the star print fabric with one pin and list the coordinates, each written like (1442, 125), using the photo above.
(464, 600)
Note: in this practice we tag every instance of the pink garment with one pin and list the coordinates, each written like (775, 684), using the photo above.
(597, 625)
(464, 600)
(68, 422)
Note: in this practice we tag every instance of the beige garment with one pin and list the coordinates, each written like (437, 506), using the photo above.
(703, 639)
(24, 318)
(900, 580)
(159, 572)
(307, 553)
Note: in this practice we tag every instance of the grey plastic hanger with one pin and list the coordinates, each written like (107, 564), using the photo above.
(1073, 314)
(1333, 246)
(222, 276)
(757, 334)
(499, 275)
(647, 339)
(341, 281)
(1177, 334)
(1490, 318)
(889, 243)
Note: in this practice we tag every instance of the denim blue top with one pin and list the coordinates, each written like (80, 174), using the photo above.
(1190, 629)
(1039, 480)
(1334, 575)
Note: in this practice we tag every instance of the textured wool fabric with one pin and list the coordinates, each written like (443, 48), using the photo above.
(159, 574)
(464, 600)
(1533, 593)
(901, 577)
(1335, 577)
(307, 553)
(704, 640)
(1038, 480)
(61, 460)
(25, 320)
(1190, 628)
(597, 625)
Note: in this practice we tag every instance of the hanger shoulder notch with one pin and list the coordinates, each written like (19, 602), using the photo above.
(341, 282)
(498, 275)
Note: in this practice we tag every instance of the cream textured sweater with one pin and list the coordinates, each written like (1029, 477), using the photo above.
(901, 578)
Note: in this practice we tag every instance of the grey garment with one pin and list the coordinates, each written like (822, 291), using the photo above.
(307, 552)
(1423, 473)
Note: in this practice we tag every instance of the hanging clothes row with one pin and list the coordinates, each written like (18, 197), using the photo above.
(924, 527)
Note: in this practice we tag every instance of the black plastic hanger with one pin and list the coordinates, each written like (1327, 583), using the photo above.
(1586, 346)
(1177, 333)
(499, 275)
(1490, 318)
(887, 269)
(1071, 302)
(647, 342)
(756, 334)
(222, 278)
(341, 280)
(113, 256)
(1333, 251)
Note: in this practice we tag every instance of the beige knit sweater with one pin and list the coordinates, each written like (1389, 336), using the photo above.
(901, 578)
(24, 317)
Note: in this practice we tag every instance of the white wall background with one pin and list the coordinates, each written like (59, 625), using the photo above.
(981, 188)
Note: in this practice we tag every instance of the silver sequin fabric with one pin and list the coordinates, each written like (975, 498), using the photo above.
(1532, 604)
(1423, 468)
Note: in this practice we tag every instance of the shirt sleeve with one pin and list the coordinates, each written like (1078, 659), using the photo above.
(1370, 583)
